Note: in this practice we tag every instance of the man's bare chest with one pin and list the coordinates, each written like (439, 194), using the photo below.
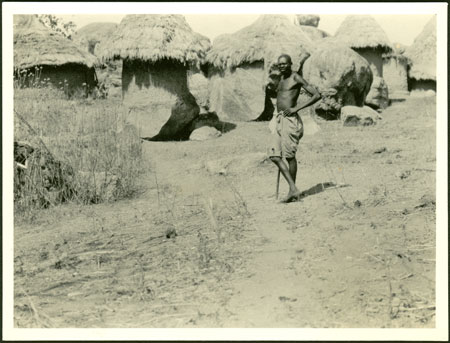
(288, 85)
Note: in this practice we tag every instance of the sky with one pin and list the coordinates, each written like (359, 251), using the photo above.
(399, 28)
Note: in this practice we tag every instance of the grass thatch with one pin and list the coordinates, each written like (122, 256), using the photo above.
(269, 33)
(92, 34)
(153, 37)
(361, 32)
(423, 53)
(36, 45)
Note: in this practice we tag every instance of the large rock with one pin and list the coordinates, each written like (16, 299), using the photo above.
(238, 94)
(378, 96)
(204, 133)
(341, 75)
(198, 86)
(314, 33)
(419, 93)
(308, 19)
(205, 119)
(359, 116)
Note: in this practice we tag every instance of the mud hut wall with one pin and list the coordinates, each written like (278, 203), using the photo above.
(157, 97)
(421, 85)
(111, 74)
(238, 94)
(72, 78)
(143, 81)
(395, 74)
(374, 57)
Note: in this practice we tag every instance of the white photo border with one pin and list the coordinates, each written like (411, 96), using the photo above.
(439, 333)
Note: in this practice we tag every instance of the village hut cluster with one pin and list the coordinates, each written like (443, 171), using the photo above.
(169, 74)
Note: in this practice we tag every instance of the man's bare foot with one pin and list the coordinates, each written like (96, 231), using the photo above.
(292, 196)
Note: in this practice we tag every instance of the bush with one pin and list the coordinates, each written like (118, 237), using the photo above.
(80, 150)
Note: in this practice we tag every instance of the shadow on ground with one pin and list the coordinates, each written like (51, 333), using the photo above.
(320, 187)
(210, 119)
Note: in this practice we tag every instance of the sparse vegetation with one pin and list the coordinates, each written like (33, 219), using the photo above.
(82, 150)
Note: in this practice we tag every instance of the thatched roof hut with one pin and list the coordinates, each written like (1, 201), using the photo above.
(239, 63)
(57, 58)
(422, 54)
(395, 72)
(364, 35)
(92, 34)
(157, 51)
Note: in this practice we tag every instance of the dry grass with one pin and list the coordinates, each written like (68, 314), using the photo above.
(83, 151)
(130, 262)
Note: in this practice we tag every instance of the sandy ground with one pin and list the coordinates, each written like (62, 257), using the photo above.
(207, 245)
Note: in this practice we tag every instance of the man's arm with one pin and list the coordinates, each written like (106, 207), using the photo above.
(315, 96)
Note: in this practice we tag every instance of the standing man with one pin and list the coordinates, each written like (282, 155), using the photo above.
(289, 125)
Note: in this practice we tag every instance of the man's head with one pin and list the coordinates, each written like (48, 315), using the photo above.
(284, 63)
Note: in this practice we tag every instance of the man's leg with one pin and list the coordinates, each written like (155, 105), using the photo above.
(292, 168)
(293, 191)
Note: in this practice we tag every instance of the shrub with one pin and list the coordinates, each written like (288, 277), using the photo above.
(81, 150)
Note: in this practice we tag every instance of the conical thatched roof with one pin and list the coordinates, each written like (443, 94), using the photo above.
(362, 31)
(152, 37)
(267, 35)
(423, 53)
(94, 33)
(35, 44)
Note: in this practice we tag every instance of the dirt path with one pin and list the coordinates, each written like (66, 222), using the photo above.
(273, 293)
(356, 256)
(315, 263)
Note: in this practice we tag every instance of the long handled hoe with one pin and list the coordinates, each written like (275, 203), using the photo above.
(278, 184)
